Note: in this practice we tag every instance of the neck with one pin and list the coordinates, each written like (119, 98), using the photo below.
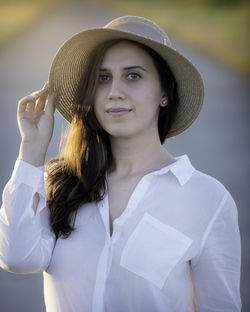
(139, 154)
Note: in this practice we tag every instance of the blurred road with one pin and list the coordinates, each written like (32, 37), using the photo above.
(217, 143)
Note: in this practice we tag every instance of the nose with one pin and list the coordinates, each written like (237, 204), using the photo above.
(115, 91)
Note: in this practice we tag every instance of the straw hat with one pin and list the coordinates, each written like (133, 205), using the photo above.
(72, 59)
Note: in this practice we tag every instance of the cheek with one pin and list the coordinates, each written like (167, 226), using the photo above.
(148, 115)
(148, 92)
(100, 114)
(99, 100)
(148, 104)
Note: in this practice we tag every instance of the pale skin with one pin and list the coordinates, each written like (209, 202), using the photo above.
(35, 116)
(128, 82)
(128, 79)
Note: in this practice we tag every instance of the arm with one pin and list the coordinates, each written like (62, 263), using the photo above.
(216, 270)
(26, 238)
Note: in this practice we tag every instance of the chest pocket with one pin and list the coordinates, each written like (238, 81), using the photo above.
(153, 250)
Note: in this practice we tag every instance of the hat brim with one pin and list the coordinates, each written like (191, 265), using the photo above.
(72, 58)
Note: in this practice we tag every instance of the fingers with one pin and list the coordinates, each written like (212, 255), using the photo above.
(40, 104)
(26, 103)
(34, 101)
(30, 106)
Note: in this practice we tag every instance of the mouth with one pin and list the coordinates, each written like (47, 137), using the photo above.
(118, 111)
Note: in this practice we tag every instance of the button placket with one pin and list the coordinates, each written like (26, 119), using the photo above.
(101, 277)
(110, 258)
(135, 198)
(104, 212)
(105, 262)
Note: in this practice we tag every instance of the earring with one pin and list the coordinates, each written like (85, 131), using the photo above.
(164, 102)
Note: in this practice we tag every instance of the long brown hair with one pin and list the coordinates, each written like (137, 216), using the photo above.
(78, 175)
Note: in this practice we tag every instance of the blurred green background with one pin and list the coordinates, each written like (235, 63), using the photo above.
(217, 27)
(18, 15)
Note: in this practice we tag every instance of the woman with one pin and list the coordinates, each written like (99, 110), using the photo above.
(123, 223)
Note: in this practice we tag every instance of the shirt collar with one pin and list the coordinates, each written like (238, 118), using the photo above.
(181, 168)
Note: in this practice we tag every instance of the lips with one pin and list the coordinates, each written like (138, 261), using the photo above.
(118, 111)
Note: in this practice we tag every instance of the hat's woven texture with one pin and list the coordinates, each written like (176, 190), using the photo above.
(71, 61)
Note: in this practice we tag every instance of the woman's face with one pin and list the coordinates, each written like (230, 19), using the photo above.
(127, 99)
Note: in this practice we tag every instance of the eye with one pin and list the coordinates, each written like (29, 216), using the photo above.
(103, 78)
(133, 76)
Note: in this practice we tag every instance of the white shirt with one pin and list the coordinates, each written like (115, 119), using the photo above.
(177, 220)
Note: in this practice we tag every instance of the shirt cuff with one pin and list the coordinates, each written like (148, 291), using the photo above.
(25, 173)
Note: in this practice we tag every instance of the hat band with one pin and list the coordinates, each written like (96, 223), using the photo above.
(141, 29)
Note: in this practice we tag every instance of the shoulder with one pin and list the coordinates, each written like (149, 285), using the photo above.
(194, 180)
(195, 186)
(207, 182)
(210, 185)
(203, 186)
(209, 191)
(211, 202)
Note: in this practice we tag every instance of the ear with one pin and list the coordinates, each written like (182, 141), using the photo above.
(163, 94)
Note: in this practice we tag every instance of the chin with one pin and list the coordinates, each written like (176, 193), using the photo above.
(120, 133)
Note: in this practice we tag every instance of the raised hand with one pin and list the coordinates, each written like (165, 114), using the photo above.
(36, 122)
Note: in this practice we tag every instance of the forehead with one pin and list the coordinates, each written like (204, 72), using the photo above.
(126, 53)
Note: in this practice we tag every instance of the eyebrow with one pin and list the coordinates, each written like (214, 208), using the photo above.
(127, 68)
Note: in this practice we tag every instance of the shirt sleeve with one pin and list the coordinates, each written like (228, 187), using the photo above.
(26, 237)
(216, 270)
